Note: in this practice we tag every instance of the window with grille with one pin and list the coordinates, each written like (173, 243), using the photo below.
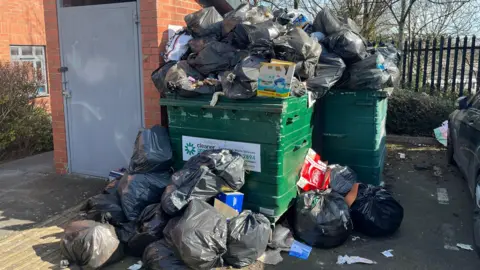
(34, 55)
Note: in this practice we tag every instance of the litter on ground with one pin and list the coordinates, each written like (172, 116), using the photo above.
(353, 259)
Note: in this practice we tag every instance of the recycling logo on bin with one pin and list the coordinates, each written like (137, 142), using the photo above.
(250, 151)
(190, 149)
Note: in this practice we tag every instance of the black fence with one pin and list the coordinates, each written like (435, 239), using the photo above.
(444, 64)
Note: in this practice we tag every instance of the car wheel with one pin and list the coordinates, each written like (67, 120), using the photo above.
(450, 158)
(476, 217)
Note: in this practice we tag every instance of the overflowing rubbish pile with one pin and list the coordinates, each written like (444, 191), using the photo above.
(193, 218)
(251, 51)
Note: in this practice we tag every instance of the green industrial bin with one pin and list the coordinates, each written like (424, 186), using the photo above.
(272, 134)
(353, 131)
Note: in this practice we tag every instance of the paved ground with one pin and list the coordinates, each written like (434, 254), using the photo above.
(420, 244)
(31, 192)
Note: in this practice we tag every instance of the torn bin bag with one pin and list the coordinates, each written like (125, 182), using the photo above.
(342, 179)
(152, 151)
(150, 227)
(348, 45)
(204, 176)
(298, 88)
(248, 236)
(159, 75)
(224, 163)
(298, 47)
(328, 72)
(249, 68)
(90, 244)
(199, 236)
(375, 212)
(137, 191)
(204, 22)
(159, 256)
(177, 46)
(368, 74)
(105, 208)
(248, 35)
(215, 57)
(182, 79)
(322, 219)
(245, 13)
(235, 88)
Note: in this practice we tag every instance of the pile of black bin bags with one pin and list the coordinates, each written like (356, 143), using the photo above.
(167, 219)
(325, 219)
(223, 54)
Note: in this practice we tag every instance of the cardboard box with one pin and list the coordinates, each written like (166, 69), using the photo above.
(224, 209)
(232, 199)
(275, 79)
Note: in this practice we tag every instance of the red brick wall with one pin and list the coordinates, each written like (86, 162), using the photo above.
(22, 23)
(155, 17)
(55, 86)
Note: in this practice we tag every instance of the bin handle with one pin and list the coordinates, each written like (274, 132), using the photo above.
(291, 120)
(299, 146)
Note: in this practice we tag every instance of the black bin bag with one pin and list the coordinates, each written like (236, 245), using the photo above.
(137, 191)
(322, 219)
(158, 76)
(183, 79)
(250, 35)
(248, 69)
(90, 244)
(368, 74)
(245, 13)
(342, 179)
(152, 151)
(375, 212)
(215, 57)
(328, 72)
(199, 236)
(329, 24)
(248, 236)
(204, 22)
(390, 53)
(204, 176)
(348, 45)
(298, 47)
(149, 228)
(105, 208)
(159, 256)
(235, 88)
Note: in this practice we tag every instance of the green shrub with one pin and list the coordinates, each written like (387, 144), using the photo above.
(25, 128)
(417, 114)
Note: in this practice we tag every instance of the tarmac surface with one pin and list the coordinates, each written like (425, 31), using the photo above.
(33, 205)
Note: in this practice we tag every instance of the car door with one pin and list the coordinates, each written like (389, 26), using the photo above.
(460, 132)
(472, 140)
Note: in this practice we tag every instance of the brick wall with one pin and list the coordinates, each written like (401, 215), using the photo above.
(55, 86)
(155, 17)
(22, 23)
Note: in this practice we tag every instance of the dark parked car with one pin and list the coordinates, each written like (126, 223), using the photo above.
(464, 151)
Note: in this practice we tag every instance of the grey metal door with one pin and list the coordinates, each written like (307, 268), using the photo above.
(102, 90)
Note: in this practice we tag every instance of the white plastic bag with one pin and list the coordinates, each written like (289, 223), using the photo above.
(177, 46)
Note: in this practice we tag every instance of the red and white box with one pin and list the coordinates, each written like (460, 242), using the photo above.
(313, 172)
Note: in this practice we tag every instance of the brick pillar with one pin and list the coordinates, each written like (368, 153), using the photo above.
(55, 87)
(155, 18)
